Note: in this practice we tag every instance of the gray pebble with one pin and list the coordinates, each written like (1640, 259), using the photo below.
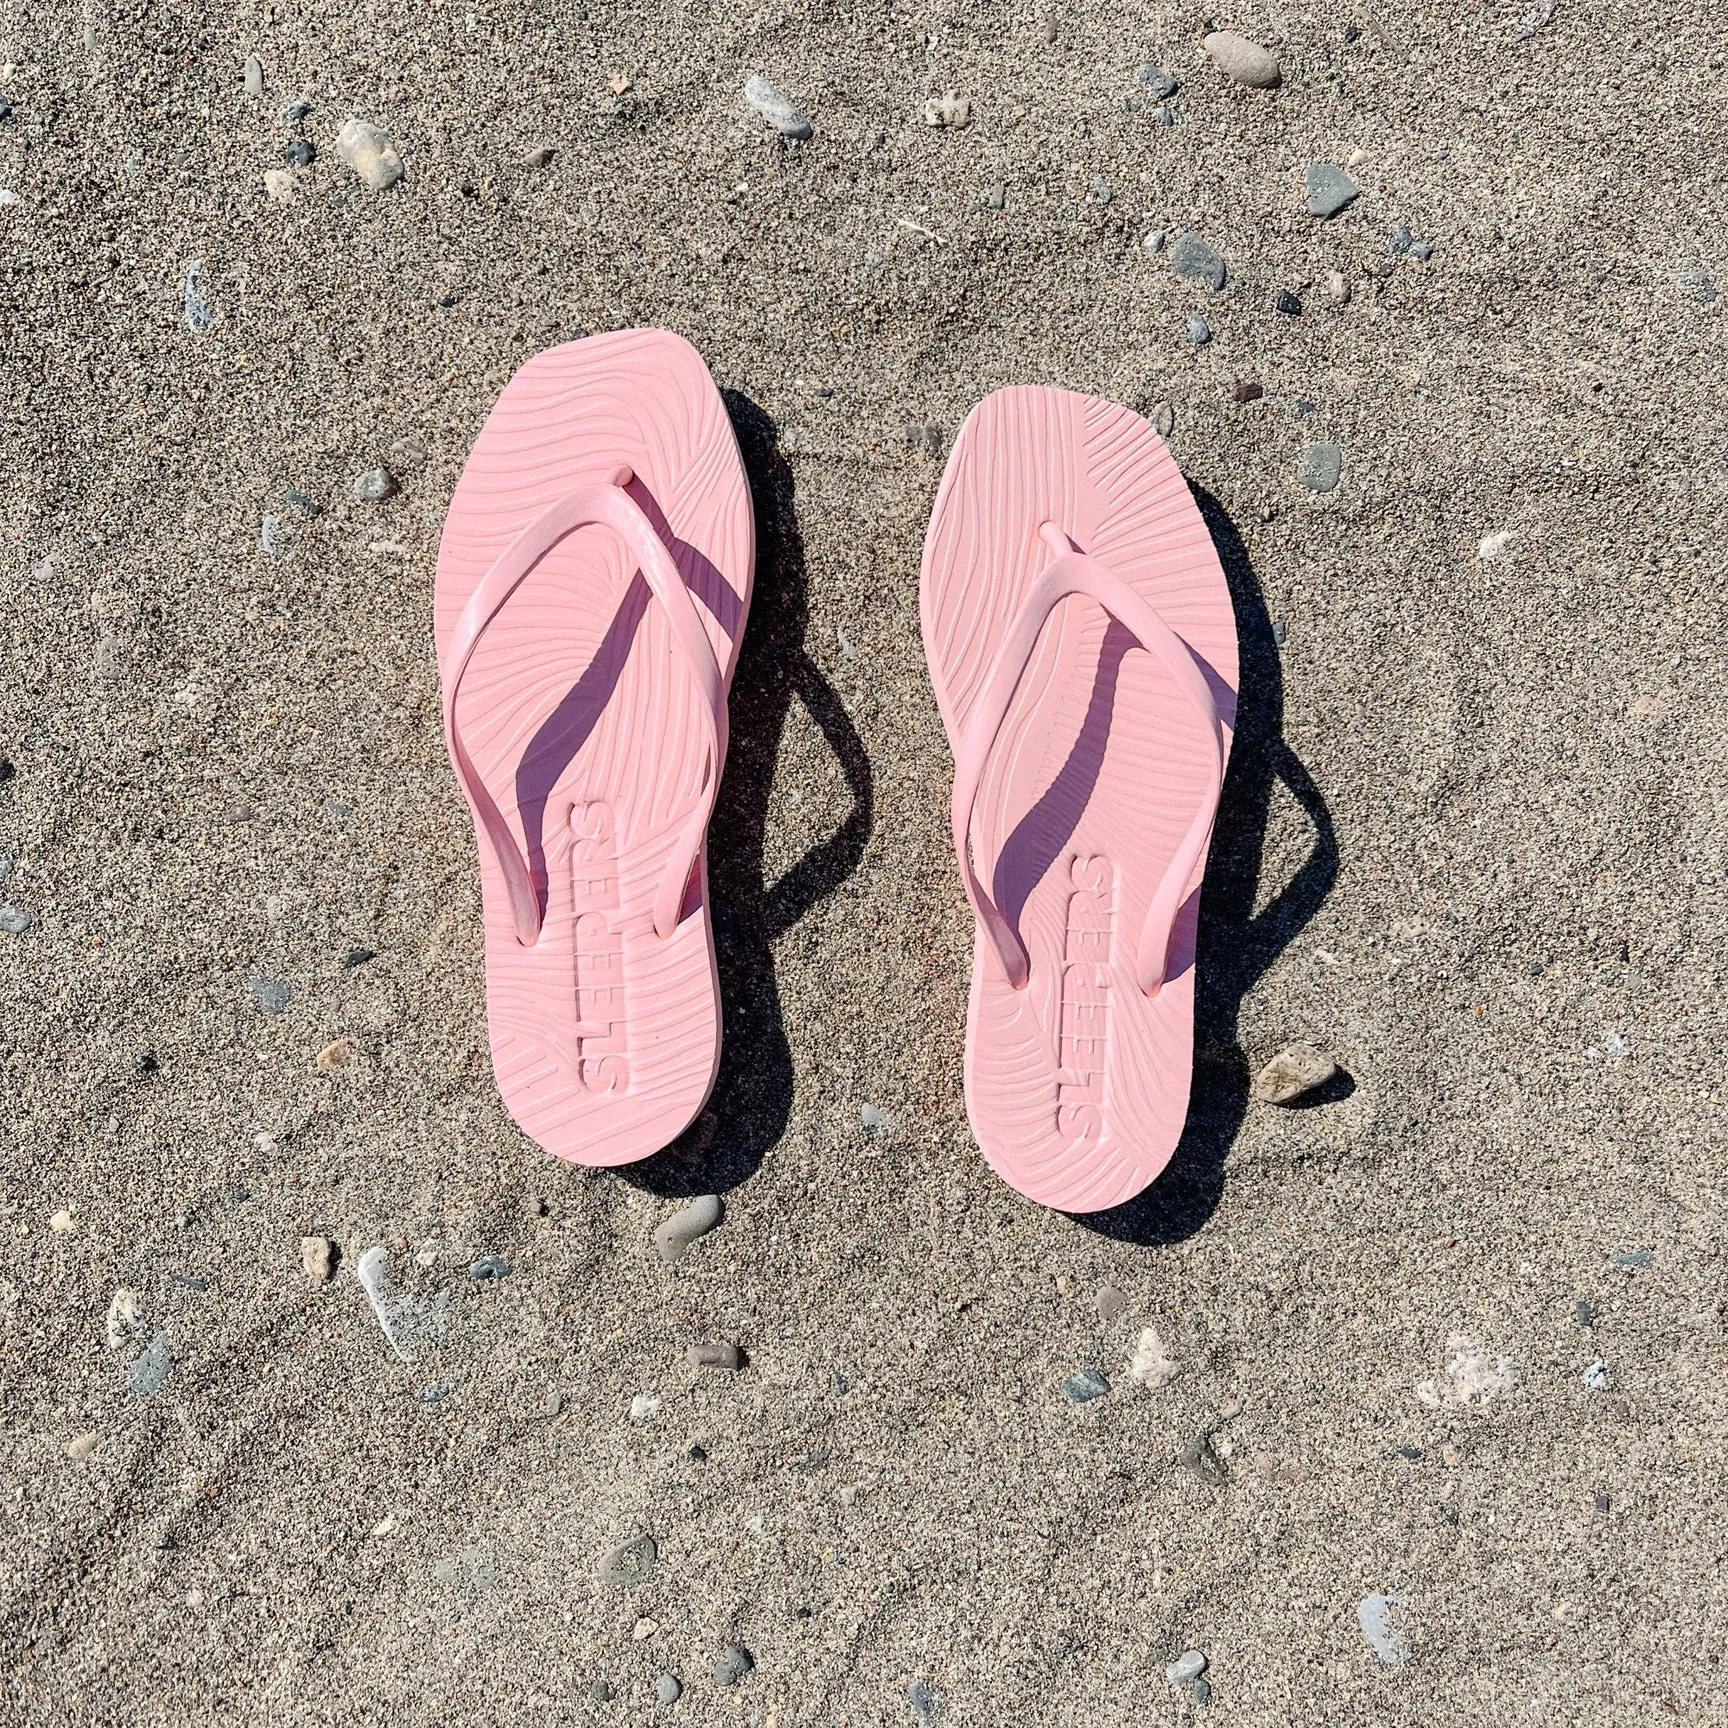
(1190, 256)
(1596, 1377)
(723, 1356)
(733, 1664)
(254, 76)
(1329, 190)
(922, 1699)
(1280, 633)
(14, 920)
(198, 311)
(1083, 1387)
(775, 108)
(539, 157)
(1244, 61)
(1288, 304)
(149, 1372)
(374, 486)
(1159, 82)
(1164, 419)
(1400, 240)
(1320, 467)
(630, 1563)
(271, 994)
(1198, 329)
(1421, 250)
(295, 111)
(1635, 1258)
(601, 1692)
(488, 1267)
(1376, 1616)
(1110, 1302)
(1155, 240)
(300, 154)
(668, 1688)
(299, 501)
(1583, 1313)
(1297, 1068)
(553, 1406)
(1190, 1665)
(356, 957)
(1202, 1692)
(673, 1236)
(994, 198)
(434, 1394)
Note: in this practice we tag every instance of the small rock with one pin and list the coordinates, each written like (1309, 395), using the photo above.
(1421, 250)
(673, 1236)
(644, 1629)
(1191, 257)
(630, 1563)
(1151, 1364)
(487, 1268)
(271, 994)
(1244, 61)
(1537, 18)
(1337, 286)
(198, 312)
(922, 1699)
(993, 198)
(1248, 391)
(294, 111)
(645, 1406)
(125, 1318)
(871, 1117)
(554, 1405)
(434, 1394)
(1596, 1377)
(539, 157)
(1202, 1692)
(62, 1223)
(369, 151)
(1200, 1459)
(1083, 1387)
(724, 1356)
(81, 1448)
(316, 1258)
(356, 957)
(1190, 1665)
(1296, 1069)
(1288, 304)
(14, 920)
(254, 76)
(301, 153)
(1320, 467)
(775, 108)
(338, 1054)
(1198, 329)
(374, 486)
(1602, 1503)
(1635, 1259)
(668, 1688)
(1583, 1313)
(1375, 1616)
(950, 110)
(1158, 82)
(1163, 419)
(1110, 1302)
(149, 1372)
(1329, 190)
(600, 1692)
(733, 1664)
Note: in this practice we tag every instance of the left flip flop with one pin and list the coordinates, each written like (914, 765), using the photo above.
(594, 578)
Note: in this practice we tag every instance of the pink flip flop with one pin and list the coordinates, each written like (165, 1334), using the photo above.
(593, 582)
(1082, 644)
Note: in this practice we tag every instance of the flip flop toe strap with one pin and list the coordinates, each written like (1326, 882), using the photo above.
(1075, 573)
(605, 503)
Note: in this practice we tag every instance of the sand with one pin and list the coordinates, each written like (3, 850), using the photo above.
(1471, 849)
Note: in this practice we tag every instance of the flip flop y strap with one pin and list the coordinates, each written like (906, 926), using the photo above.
(1075, 573)
(606, 503)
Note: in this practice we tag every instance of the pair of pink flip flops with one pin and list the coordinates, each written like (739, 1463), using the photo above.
(593, 584)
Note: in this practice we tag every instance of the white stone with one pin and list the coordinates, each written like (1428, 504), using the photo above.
(370, 152)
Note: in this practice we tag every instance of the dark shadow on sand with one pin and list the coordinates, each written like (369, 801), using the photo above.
(752, 1098)
(1236, 947)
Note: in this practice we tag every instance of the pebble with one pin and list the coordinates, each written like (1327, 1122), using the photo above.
(950, 110)
(254, 76)
(630, 1563)
(1330, 190)
(149, 1372)
(374, 486)
(775, 108)
(1635, 1259)
(539, 157)
(295, 111)
(726, 1356)
(554, 1405)
(1375, 1616)
(1288, 304)
(370, 152)
(668, 1688)
(1151, 1364)
(62, 1223)
(1190, 256)
(922, 1699)
(1163, 419)
(994, 198)
(1320, 467)
(271, 994)
(356, 957)
(1190, 1665)
(1244, 61)
(14, 920)
(1200, 1458)
(339, 1053)
(1202, 1692)
(1083, 1387)
(673, 1236)
(733, 1664)
(279, 185)
(871, 1117)
(1198, 329)
(316, 1258)
(1583, 1313)
(644, 1629)
(1338, 286)
(601, 1692)
(1154, 242)
(1298, 1068)
(1110, 1302)
(1596, 1377)
(644, 1407)
(1159, 82)
(487, 1268)
(81, 1448)
(125, 1318)
(300, 154)
(198, 312)
(274, 540)
(434, 1394)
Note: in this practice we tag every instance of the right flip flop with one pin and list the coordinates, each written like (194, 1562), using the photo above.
(1082, 644)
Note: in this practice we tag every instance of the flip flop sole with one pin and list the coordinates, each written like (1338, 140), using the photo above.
(589, 733)
(1077, 1085)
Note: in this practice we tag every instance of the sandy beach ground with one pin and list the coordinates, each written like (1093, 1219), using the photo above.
(1450, 1335)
